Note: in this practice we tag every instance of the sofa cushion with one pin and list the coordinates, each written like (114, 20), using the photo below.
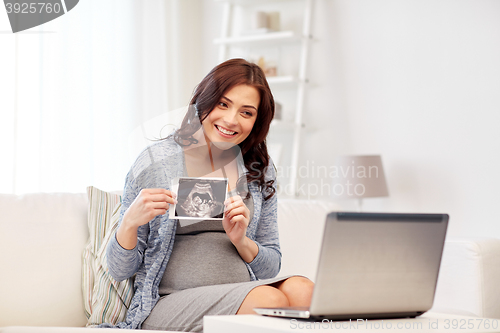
(105, 299)
(41, 240)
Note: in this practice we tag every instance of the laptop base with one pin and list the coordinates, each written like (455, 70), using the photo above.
(304, 314)
(372, 316)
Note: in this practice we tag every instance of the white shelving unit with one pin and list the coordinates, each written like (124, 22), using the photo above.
(269, 37)
(296, 82)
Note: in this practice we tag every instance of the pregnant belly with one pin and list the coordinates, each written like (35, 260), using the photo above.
(204, 259)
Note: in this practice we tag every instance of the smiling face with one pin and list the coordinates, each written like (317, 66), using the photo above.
(232, 119)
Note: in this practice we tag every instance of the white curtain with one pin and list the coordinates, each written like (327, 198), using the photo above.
(74, 89)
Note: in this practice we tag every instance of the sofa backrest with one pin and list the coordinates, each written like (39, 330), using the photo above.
(301, 224)
(42, 237)
(41, 241)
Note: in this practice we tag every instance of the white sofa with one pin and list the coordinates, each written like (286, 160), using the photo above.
(42, 237)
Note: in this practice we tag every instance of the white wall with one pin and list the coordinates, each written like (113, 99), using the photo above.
(421, 82)
(417, 82)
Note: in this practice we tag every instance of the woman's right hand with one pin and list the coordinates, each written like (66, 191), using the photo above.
(146, 206)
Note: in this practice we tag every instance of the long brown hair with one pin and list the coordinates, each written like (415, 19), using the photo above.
(207, 95)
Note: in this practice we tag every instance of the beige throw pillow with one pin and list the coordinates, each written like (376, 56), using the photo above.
(105, 299)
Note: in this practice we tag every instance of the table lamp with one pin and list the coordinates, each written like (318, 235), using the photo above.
(358, 177)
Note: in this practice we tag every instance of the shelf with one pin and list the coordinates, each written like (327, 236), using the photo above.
(270, 37)
(281, 79)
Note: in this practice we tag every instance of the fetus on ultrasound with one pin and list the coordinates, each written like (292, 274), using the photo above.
(201, 202)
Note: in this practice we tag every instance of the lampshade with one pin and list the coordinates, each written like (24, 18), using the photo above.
(356, 177)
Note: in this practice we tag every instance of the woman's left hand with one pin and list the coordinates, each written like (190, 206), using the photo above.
(236, 220)
(235, 223)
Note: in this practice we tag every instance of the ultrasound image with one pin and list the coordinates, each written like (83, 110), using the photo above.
(201, 198)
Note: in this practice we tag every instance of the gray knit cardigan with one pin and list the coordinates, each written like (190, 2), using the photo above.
(155, 167)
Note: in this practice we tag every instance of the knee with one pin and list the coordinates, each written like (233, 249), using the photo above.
(298, 285)
(268, 297)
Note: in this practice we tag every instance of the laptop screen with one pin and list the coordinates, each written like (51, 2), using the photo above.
(378, 263)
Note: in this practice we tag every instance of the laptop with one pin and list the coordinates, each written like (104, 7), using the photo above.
(374, 266)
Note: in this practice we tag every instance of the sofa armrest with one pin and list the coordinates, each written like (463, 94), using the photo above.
(469, 278)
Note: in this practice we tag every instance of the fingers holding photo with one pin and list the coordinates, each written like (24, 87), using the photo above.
(158, 199)
(235, 206)
(150, 203)
(162, 195)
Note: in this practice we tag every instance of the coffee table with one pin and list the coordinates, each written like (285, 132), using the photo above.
(429, 322)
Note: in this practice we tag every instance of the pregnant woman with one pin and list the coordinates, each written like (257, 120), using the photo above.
(212, 267)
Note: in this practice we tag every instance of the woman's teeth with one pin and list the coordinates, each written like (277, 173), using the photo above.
(224, 131)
